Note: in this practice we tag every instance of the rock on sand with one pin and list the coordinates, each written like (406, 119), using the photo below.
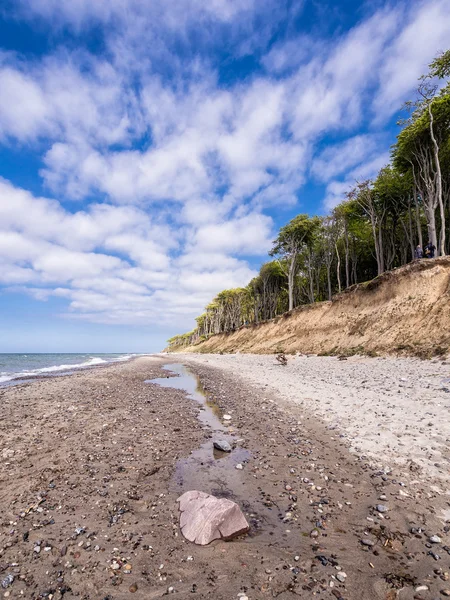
(205, 518)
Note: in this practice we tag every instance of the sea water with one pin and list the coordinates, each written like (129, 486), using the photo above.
(16, 366)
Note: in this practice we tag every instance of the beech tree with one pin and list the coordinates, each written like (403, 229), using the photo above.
(294, 237)
(376, 227)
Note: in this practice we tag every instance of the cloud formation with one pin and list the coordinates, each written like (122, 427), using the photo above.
(163, 175)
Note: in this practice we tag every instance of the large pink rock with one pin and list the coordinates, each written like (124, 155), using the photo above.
(205, 518)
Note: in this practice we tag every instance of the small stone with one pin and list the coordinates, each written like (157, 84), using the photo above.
(341, 576)
(435, 539)
(171, 590)
(226, 417)
(381, 508)
(367, 542)
(127, 568)
(115, 566)
(37, 549)
(445, 592)
(296, 558)
(133, 588)
(421, 588)
(314, 533)
(239, 467)
(222, 445)
(7, 581)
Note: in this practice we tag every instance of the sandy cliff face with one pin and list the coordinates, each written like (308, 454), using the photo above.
(404, 311)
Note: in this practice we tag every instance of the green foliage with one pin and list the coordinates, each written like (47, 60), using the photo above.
(294, 236)
(375, 228)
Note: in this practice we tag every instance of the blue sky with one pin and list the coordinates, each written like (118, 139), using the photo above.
(149, 151)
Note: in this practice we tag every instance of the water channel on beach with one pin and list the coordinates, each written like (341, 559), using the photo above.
(207, 469)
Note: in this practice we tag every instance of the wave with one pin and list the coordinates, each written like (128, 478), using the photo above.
(93, 361)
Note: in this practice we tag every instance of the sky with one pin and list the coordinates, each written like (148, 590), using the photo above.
(150, 151)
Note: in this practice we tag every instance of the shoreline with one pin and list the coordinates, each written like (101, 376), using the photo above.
(93, 465)
(64, 373)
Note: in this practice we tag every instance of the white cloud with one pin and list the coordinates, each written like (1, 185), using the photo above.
(424, 33)
(339, 158)
(336, 190)
(173, 167)
(114, 265)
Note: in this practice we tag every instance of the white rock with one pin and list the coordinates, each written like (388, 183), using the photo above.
(205, 518)
(435, 539)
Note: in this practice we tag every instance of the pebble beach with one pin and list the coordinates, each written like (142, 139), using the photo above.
(94, 463)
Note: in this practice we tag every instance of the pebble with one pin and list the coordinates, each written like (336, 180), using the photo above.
(381, 508)
(341, 576)
(239, 467)
(133, 588)
(435, 539)
(37, 549)
(226, 417)
(9, 579)
(367, 542)
(445, 592)
(222, 445)
(421, 588)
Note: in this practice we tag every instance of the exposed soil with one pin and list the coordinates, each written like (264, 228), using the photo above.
(93, 464)
(405, 311)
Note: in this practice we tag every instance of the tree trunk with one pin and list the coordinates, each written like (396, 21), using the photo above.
(418, 223)
(431, 218)
(329, 280)
(291, 280)
(441, 248)
(411, 236)
(338, 269)
(347, 269)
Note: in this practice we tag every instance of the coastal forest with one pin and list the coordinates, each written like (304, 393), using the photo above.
(380, 224)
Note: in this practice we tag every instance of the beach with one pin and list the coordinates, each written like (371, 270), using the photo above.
(93, 464)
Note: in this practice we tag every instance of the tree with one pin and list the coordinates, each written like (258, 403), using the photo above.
(294, 237)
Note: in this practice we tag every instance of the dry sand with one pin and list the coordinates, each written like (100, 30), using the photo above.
(395, 411)
(93, 464)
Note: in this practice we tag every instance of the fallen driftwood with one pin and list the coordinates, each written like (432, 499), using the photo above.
(205, 518)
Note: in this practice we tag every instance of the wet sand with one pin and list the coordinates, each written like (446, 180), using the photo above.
(93, 464)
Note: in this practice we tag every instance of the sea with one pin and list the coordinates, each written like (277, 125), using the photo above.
(16, 366)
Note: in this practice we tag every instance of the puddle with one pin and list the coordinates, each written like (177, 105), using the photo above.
(206, 469)
(210, 415)
(212, 471)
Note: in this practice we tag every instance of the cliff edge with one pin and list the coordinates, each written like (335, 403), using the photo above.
(404, 311)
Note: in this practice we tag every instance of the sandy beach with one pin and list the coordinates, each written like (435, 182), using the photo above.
(93, 464)
(393, 411)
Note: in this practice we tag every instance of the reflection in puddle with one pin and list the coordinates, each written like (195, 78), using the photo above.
(210, 414)
(212, 471)
(206, 469)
